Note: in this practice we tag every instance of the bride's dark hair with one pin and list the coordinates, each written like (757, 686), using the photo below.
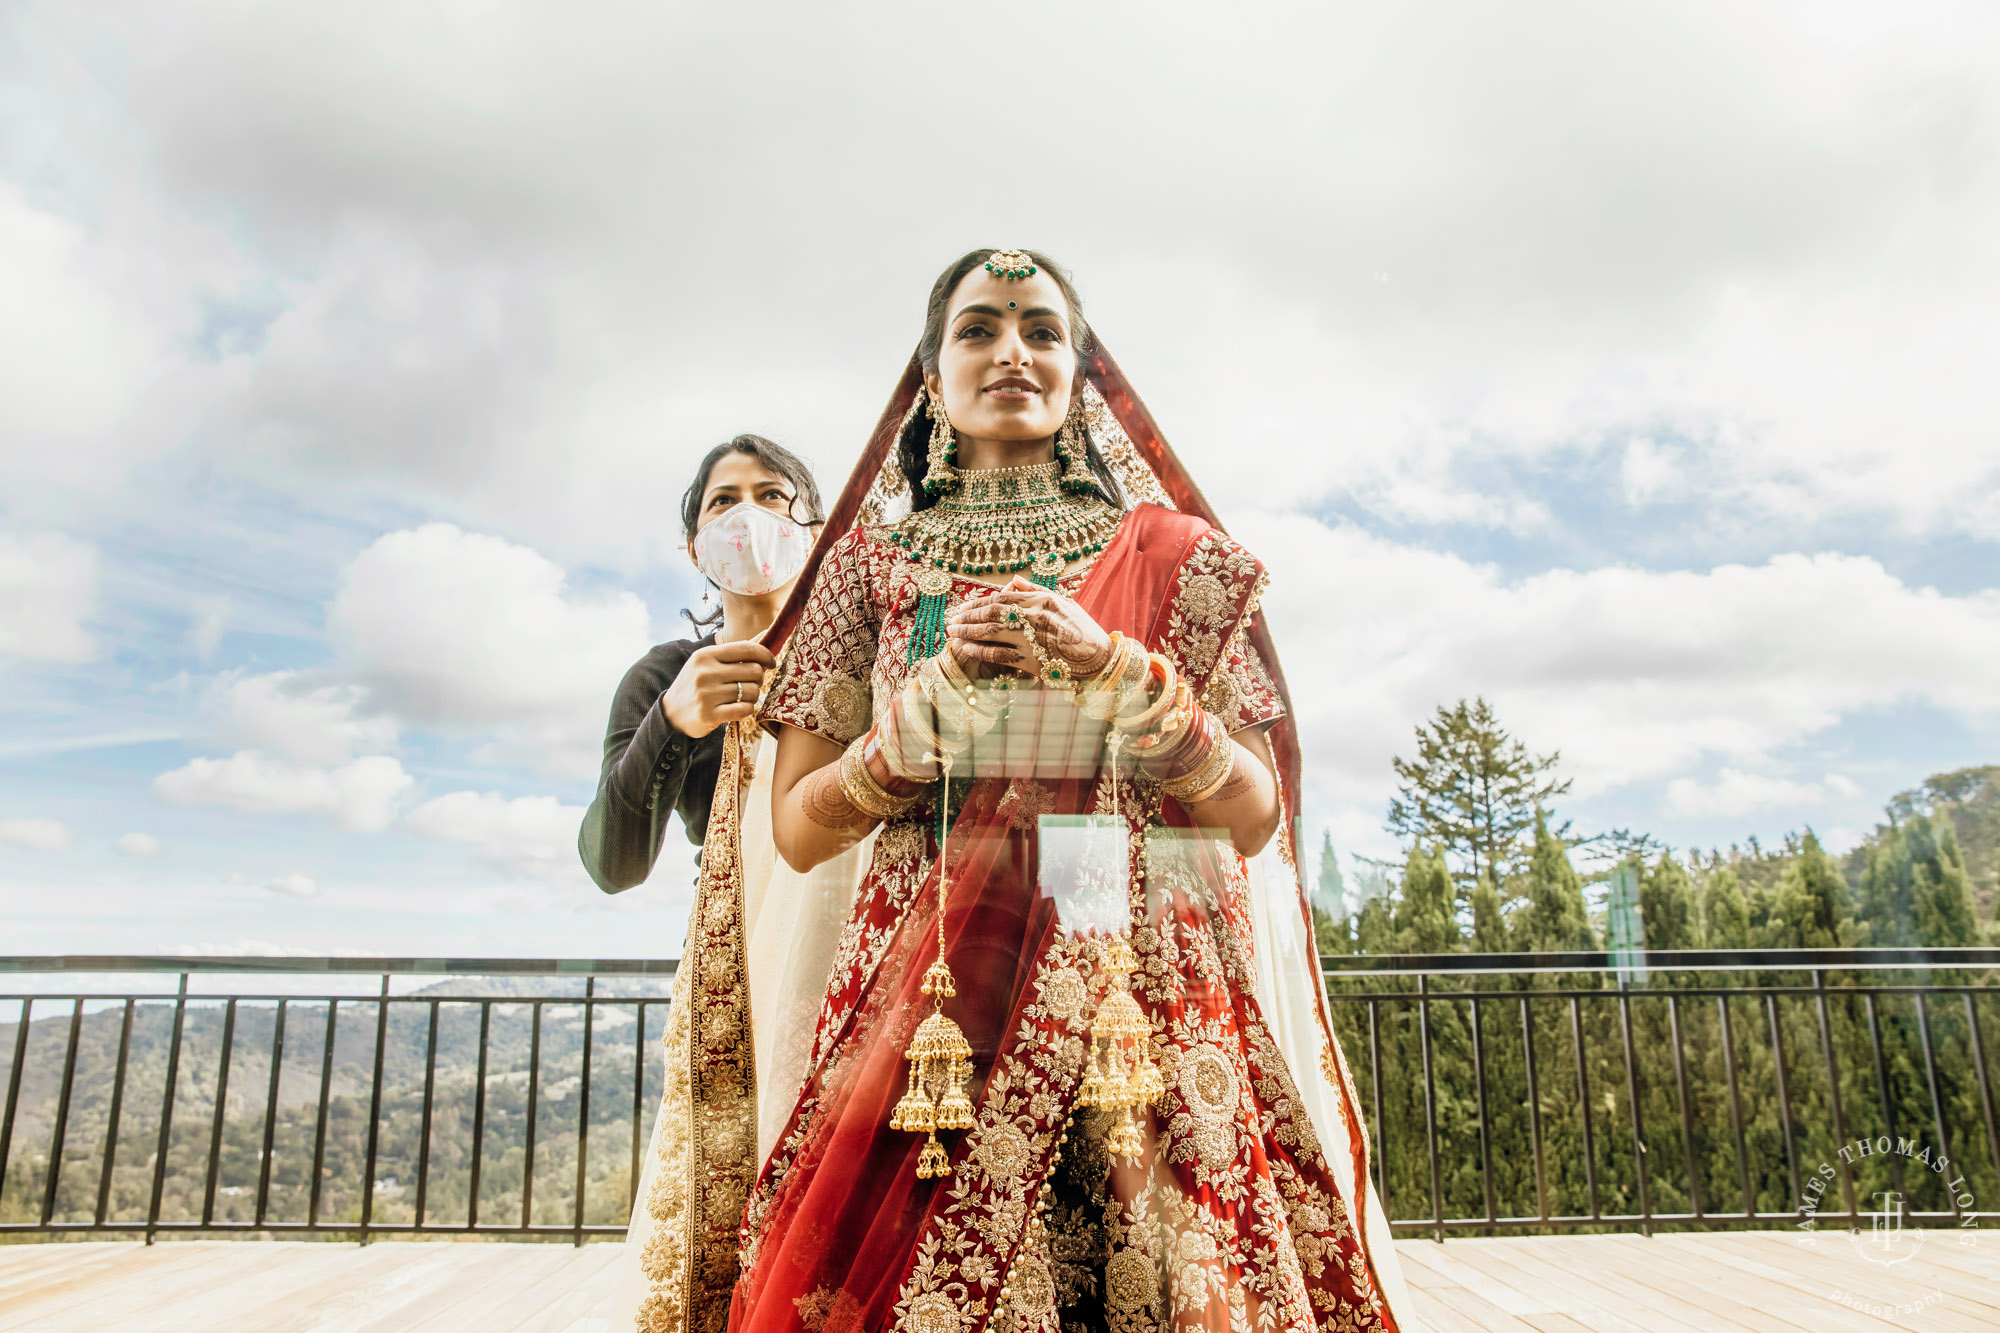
(912, 450)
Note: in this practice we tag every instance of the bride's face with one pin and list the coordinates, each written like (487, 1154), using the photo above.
(1007, 366)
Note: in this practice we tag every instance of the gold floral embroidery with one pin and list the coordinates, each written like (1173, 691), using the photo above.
(1025, 802)
(1032, 1289)
(842, 705)
(1066, 994)
(829, 1311)
(1204, 599)
(707, 1135)
(1131, 1282)
(1003, 1152)
(933, 1312)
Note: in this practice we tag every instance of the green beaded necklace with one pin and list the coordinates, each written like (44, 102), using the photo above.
(998, 521)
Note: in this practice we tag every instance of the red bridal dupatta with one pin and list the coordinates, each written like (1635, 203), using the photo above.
(1248, 1205)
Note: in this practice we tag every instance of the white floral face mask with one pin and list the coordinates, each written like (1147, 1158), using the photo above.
(750, 550)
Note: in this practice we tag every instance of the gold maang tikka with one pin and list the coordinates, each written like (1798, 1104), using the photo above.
(1013, 265)
(939, 1055)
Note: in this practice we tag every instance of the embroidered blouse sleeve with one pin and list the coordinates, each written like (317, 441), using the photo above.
(1241, 693)
(1214, 594)
(822, 684)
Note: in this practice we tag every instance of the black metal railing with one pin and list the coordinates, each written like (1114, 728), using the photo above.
(1514, 1093)
(1506, 1092)
(260, 1110)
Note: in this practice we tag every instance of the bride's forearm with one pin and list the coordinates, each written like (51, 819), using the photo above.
(813, 821)
(1246, 803)
(825, 798)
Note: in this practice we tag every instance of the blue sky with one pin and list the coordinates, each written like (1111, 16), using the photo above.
(1628, 365)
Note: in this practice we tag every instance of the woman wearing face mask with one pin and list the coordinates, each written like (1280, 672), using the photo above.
(749, 518)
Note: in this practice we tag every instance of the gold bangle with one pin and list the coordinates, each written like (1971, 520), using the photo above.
(1104, 695)
(1149, 716)
(863, 792)
(1214, 770)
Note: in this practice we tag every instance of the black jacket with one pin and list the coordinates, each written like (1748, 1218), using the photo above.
(649, 769)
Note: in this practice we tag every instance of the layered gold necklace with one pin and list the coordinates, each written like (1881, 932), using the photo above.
(1007, 519)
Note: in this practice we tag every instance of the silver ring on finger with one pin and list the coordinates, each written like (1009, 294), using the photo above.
(739, 691)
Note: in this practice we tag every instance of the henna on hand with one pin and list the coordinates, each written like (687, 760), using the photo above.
(1086, 658)
(825, 804)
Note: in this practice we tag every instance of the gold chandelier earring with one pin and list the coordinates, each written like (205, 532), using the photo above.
(1073, 451)
(941, 474)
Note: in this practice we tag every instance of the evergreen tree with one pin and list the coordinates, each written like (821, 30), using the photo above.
(1725, 914)
(1424, 920)
(1489, 925)
(1667, 906)
(1555, 917)
(1944, 892)
(1374, 932)
(1472, 790)
(1812, 909)
(1331, 935)
(1331, 895)
(1914, 885)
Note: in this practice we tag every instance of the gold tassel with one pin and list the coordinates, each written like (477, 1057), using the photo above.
(939, 1055)
(1120, 1075)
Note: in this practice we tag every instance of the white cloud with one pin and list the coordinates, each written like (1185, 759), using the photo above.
(209, 623)
(295, 884)
(44, 835)
(1632, 674)
(139, 844)
(1735, 792)
(474, 635)
(1761, 233)
(533, 835)
(83, 356)
(292, 715)
(48, 588)
(361, 794)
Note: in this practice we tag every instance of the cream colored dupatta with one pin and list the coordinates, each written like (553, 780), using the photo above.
(735, 1053)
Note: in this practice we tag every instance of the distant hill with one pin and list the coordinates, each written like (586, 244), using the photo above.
(403, 1073)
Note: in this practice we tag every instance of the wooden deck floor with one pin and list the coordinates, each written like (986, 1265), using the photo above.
(1728, 1281)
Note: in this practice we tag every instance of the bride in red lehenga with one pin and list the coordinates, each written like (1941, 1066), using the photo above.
(1084, 1076)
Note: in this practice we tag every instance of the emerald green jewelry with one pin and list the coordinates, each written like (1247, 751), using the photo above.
(1012, 265)
(927, 633)
(1009, 520)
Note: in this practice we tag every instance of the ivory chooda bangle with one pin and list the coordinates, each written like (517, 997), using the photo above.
(1149, 716)
(1110, 691)
(1165, 736)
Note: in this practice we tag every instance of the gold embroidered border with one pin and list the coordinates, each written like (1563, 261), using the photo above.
(708, 1137)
